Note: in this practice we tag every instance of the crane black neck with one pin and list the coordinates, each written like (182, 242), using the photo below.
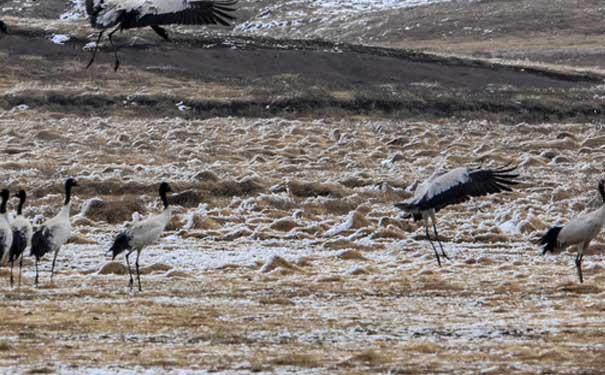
(3, 205)
(67, 194)
(20, 206)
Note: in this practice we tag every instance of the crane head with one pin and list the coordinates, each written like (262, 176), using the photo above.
(601, 188)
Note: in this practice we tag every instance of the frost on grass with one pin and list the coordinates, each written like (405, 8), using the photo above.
(285, 238)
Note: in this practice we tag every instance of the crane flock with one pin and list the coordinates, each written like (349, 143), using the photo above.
(440, 190)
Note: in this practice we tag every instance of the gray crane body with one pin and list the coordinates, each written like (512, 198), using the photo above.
(580, 231)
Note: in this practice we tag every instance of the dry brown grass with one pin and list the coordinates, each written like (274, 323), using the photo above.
(313, 189)
(114, 209)
(298, 360)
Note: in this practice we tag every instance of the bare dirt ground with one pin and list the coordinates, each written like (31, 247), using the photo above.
(292, 78)
(564, 32)
(285, 253)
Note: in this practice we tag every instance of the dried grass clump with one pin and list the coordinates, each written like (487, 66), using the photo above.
(206, 175)
(114, 211)
(284, 225)
(204, 222)
(359, 180)
(277, 201)
(276, 262)
(313, 189)
(176, 222)
(297, 360)
(50, 136)
(388, 233)
(112, 186)
(327, 205)
(351, 255)
(113, 268)
(188, 198)
(81, 240)
(367, 357)
(229, 188)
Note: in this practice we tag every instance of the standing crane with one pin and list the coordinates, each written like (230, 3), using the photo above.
(54, 232)
(6, 233)
(129, 14)
(443, 189)
(579, 232)
(22, 236)
(141, 233)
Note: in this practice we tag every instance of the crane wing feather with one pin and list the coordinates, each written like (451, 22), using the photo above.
(458, 186)
(195, 13)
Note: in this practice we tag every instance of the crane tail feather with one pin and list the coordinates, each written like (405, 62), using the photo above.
(549, 240)
(121, 243)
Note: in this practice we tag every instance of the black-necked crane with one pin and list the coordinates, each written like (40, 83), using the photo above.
(139, 234)
(447, 188)
(580, 231)
(129, 14)
(6, 233)
(22, 236)
(53, 233)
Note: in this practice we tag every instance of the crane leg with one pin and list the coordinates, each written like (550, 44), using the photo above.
(20, 267)
(36, 280)
(437, 237)
(426, 228)
(116, 65)
(131, 282)
(138, 273)
(579, 266)
(579, 260)
(12, 262)
(94, 51)
(52, 268)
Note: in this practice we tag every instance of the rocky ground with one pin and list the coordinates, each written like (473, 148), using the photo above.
(285, 253)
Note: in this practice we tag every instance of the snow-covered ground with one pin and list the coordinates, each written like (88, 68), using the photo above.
(322, 14)
(303, 18)
(288, 255)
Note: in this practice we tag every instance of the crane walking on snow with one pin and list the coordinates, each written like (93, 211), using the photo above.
(6, 233)
(22, 236)
(140, 234)
(579, 232)
(54, 232)
(128, 14)
(447, 188)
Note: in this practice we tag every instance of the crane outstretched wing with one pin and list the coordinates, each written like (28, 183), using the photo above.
(192, 13)
(452, 188)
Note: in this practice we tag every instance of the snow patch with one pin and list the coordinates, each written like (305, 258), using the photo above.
(76, 13)
(182, 107)
(60, 38)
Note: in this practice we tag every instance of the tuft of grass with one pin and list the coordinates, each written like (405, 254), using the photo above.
(303, 360)
(41, 370)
